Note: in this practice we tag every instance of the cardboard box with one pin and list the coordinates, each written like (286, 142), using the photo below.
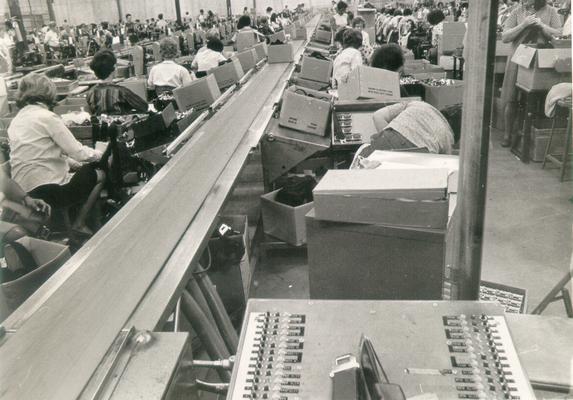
(400, 197)
(446, 62)
(452, 37)
(277, 37)
(305, 110)
(261, 49)
(82, 132)
(323, 36)
(300, 33)
(538, 68)
(429, 75)
(248, 59)
(228, 74)
(415, 66)
(232, 280)
(315, 69)
(314, 85)
(370, 83)
(443, 97)
(284, 222)
(137, 86)
(199, 94)
(49, 257)
(280, 53)
(502, 49)
(71, 104)
(245, 40)
(374, 262)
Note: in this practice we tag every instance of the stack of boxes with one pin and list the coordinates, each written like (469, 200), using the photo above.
(383, 233)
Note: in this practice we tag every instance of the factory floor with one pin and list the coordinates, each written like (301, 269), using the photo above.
(527, 244)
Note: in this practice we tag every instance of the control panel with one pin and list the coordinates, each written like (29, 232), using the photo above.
(453, 350)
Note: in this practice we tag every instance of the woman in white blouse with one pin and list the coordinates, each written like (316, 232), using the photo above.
(42, 149)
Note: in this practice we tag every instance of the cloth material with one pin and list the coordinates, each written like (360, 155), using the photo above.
(107, 98)
(168, 73)
(558, 92)
(345, 62)
(51, 39)
(76, 191)
(207, 59)
(421, 124)
(39, 142)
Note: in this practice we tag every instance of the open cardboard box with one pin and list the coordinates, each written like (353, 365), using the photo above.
(445, 96)
(305, 110)
(369, 83)
(280, 53)
(283, 221)
(541, 69)
(228, 74)
(315, 69)
(199, 94)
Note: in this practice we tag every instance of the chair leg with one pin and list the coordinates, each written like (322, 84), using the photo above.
(566, 149)
(548, 146)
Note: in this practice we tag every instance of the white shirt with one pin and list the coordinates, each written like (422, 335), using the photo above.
(52, 39)
(345, 62)
(168, 73)
(161, 24)
(207, 59)
(341, 20)
(39, 142)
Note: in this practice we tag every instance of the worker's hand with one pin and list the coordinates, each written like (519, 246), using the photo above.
(38, 205)
(530, 20)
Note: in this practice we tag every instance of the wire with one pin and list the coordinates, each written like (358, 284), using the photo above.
(203, 270)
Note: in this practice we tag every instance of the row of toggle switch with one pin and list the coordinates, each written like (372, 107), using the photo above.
(275, 358)
(478, 355)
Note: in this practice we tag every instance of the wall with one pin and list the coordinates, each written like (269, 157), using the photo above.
(87, 11)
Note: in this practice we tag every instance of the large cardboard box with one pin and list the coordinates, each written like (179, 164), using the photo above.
(300, 33)
(400, 197)
(323, 36)
(278, 37)
(137, 86)
(370, 83)
(452, 37)
(245, 40)
(261, 49)
(71, 104)
(305, 110)
(280, 53)
(248, 59)
(49, 257)
(539, 68)
(315, 69)
(228, 74)
(282, 221)
(374, 262)
(445, 96)
(199, 94)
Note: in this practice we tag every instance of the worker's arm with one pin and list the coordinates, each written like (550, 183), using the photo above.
(554, 28)
(12, 191)
(511, 29)
(385, 115)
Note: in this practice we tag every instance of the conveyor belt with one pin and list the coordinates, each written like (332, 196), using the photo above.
(64, 330)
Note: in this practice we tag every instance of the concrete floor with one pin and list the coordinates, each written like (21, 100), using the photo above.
(528, 235)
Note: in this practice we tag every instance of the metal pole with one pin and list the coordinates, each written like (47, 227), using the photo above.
(51, 12)
(474, 147)
(119, 10)
(178, 11)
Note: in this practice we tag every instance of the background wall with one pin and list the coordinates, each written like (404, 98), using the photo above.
(87, 11)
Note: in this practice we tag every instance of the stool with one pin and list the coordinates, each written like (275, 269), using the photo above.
(563, 110)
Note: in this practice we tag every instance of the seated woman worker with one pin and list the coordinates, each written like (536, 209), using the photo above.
(107, 97)
(42, 149)
(168, 75)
